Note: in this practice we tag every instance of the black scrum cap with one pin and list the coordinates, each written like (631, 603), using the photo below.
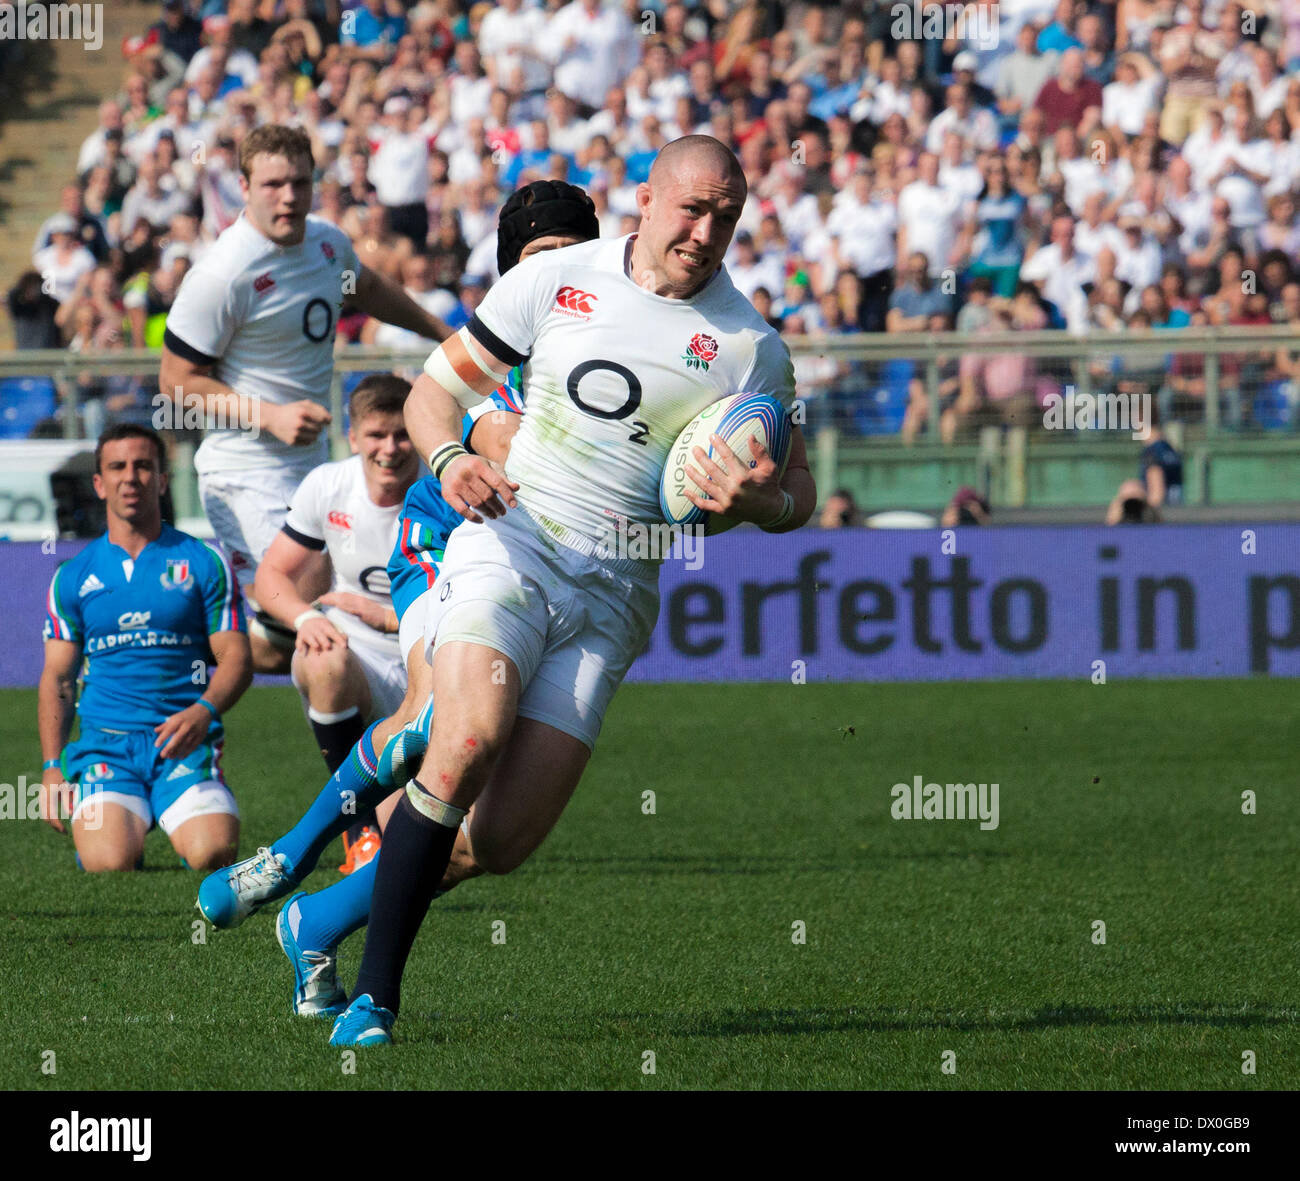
(538, 209)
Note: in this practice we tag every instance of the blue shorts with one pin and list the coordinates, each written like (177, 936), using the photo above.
(125, 767)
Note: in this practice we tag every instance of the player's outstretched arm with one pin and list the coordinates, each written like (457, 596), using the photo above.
(728, 485)
(181, 733)
(282, 589)
(379, 296)
(56, 702)
(187, 381)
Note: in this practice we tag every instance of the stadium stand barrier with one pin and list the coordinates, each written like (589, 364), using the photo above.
(1217, 403)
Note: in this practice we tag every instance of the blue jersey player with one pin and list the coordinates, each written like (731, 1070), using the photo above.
(148, 610)
(541, 216)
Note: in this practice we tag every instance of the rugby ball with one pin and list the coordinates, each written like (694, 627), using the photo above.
(733, 419)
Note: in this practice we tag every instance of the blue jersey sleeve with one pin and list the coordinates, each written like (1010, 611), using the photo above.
(223, 606)
(62, 607)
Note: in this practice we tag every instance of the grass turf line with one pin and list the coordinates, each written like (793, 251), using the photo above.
(672, 932)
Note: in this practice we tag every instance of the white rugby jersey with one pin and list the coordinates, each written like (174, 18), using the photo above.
(332, 510)
(611, 375)
(264, 316)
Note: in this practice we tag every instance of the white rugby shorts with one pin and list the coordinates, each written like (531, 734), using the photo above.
(246, 511)
(571, 624)
(211, 797)
(410, 628)
(385, 674)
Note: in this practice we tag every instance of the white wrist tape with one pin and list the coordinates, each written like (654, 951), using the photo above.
(310, 613)
(440, 458)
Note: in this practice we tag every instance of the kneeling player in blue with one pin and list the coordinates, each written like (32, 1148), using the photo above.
(148, 609)
(539, 217)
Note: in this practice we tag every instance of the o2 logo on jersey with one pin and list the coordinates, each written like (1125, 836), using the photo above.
(317, 320)
(129, 620)
(630, 402)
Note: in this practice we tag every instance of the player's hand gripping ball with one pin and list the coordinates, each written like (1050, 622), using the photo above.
(735, 419)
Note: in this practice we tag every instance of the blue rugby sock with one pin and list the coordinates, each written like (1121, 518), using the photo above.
(351, 791)
(323, 920)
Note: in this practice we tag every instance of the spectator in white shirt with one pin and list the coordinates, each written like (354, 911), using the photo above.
(511, 36)
(153, 198)
(471, 89)
(883, 98)
(1209, 145)
(864, 227)
(399, 167)
(1285, 154)
(1268, 85)
(1135, 91)
(176, 119)
(64, 260)
(1138, 258)
(592, 48)
(218, 53)
(1059, 273)
(928, 216)
(664, 85)
(748, 271)
(956, 172)
(612, 120)
(92, 149)
(568, 133)
(1188, 205)
(795, 206)
(1238, 57)
(976, 125)
(1093, 233)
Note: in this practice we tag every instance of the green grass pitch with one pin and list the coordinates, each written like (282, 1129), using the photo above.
(673, 933)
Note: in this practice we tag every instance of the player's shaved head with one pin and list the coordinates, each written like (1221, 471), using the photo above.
(689, 209)
(698, 152)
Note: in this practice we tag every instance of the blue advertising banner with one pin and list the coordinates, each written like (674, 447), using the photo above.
(916, 605)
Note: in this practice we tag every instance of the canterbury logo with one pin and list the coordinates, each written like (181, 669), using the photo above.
(340, 520)
(570, 299)
(263, 283)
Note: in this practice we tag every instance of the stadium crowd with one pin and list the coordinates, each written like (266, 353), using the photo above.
(1123, 165)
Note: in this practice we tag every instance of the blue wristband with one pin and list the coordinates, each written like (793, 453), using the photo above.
(50, 764)
(204, 701)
